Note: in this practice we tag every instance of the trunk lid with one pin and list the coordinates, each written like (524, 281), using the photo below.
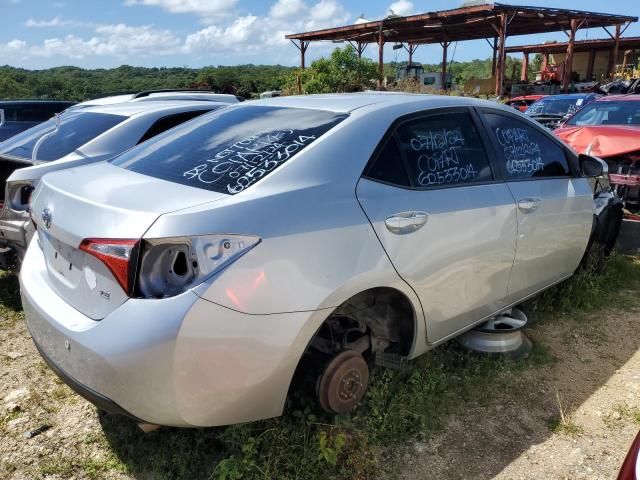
(99, 201)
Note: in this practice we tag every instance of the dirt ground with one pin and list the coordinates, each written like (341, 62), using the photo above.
(519, 433)
(516, 432)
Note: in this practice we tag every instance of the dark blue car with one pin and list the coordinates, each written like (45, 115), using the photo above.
(552, 110)
(20, 115)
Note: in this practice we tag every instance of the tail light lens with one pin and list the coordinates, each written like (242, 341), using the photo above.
(118, 255)
(170, 266)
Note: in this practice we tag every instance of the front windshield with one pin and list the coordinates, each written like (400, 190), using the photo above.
(76, 129)
(608, 113)
(555, 107)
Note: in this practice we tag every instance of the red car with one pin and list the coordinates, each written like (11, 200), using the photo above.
(523, 102)
(631, 467)
(609, 128)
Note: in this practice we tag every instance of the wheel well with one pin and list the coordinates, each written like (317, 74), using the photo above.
(383, 314)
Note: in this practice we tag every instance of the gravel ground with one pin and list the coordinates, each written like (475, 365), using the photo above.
(516, 432)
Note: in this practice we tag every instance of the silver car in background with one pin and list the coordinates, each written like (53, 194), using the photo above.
(183, 282)
(77, 137)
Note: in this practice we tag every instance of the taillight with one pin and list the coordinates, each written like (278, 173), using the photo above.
(118, 255)
(631, 467)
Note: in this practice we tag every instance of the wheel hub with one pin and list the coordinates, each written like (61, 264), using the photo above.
(343, 382)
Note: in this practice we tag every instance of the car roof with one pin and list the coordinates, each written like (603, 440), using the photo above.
(129, 109)
(348, 102)
(612, 98)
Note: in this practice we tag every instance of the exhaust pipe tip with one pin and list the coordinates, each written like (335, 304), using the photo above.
(148, 427)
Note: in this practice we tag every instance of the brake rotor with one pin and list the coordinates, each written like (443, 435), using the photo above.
(343, 382)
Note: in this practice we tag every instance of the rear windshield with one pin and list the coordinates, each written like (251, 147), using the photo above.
(229, 150)
(76, 129)
(555, 107)
(608, 113)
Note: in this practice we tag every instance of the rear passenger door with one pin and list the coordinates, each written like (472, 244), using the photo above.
(554, 203)
(447, 223)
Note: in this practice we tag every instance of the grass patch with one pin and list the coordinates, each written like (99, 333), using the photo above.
(399, 406)
(630, 413)
(595, 286)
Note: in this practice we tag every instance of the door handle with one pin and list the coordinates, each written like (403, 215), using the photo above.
(406, 222)
(529, 205)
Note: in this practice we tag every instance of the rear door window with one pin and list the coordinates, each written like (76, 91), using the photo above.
(444, 150)
(229, 150)
(524, 150)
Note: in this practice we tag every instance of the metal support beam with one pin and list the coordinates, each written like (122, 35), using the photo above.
(502, 35)
(590, 63)
(380, 58)
(302, 46)
(411, 49)
(494, 47)
(524, 72)
(445, 47)
(359, 47)
(613, 58)
(568, 66)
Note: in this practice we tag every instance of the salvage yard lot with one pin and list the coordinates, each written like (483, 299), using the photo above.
(568, 411)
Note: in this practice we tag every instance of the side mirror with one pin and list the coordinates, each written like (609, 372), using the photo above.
(592, 166)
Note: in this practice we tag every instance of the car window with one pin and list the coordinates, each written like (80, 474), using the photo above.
(608, 113)
(165, 123)
(230, 149)
(525, 151)
(76, 129)
(444, 149)
(555, 106)
(388, 166)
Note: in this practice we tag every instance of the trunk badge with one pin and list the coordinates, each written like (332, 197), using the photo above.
(47, 217)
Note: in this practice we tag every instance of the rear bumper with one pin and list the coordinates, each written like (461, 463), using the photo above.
(181, 361)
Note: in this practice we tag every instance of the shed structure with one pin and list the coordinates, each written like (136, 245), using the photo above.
(493, 22)
(593, 59)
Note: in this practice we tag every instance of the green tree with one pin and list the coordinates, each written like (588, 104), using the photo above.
(343, 71)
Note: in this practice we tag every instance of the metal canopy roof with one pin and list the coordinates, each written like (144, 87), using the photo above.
(465, 23)
(625, 43)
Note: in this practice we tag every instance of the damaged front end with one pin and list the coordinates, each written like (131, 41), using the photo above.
(625, 180)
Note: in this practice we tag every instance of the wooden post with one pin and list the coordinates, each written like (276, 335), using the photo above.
(501, 55)
(566, 78)
(380, 58)
(590, 63)
(495, 57)
(545, 61)
(445, 46)
(525, 68)
(616, 48)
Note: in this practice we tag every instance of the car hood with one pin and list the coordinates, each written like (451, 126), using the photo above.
(605, 141)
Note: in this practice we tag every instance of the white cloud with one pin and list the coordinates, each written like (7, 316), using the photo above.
(54, 22)
(248, 35)
(204, 8)
(286, 8)
(402, 7)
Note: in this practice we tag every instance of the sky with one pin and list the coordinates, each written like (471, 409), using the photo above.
(39, 34)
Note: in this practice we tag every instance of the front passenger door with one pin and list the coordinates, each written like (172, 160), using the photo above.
(446, 222)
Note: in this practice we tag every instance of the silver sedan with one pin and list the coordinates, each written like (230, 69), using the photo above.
(183, 282)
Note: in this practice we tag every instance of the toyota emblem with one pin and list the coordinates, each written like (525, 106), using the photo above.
(47, 217)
